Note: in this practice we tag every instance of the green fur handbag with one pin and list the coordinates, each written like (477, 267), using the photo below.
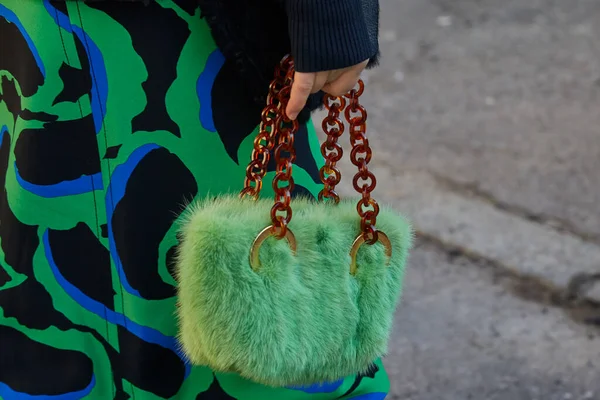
(315, 307)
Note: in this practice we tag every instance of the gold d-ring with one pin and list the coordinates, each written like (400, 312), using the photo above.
(264, 235)
(360, 240)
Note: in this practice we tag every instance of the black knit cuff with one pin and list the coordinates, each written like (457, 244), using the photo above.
(328, 34)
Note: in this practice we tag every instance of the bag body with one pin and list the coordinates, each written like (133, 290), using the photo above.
(300, 318)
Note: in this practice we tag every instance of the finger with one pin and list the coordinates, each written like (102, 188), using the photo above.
(301, 89)
(320, 81)
(343, 84)
(334, 75)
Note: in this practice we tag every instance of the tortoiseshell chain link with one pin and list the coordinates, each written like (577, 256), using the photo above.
(265, 140)
(285, 155)
(330, 149)
(364, 181)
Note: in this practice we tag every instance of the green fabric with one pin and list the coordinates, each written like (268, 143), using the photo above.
(113, 115)
(300, 318)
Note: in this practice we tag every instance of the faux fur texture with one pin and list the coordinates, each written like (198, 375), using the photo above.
(301, 318)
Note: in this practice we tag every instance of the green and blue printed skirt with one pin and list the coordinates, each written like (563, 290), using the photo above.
(112, 117)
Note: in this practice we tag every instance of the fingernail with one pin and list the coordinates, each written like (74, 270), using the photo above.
(292, 116)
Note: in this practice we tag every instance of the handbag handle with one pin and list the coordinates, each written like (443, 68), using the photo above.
(276, 136)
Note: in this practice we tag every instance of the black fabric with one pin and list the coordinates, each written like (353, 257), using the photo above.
(248, 32)
(252, 34)
(332, 34)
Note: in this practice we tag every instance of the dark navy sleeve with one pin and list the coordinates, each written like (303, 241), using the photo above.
(332, 34)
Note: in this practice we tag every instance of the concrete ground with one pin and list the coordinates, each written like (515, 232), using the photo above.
(485, 120)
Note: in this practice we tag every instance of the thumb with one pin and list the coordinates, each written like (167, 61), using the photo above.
(301, 89)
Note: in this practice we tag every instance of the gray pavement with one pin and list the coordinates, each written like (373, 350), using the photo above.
(485, 119)
(461, 333)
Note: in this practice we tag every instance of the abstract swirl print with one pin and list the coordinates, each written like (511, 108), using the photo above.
(113, 115)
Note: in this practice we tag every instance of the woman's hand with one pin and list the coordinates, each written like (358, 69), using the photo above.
(336, 83)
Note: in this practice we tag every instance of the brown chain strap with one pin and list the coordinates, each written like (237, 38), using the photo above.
(330, 149)
(278, 132)
(364, 181)
(265, 140)
(285, 155)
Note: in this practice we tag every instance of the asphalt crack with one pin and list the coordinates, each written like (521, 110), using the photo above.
(474, 191)
(572, 298)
